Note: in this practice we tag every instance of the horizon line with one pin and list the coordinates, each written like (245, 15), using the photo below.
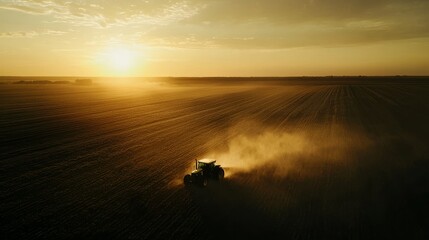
(296, 76)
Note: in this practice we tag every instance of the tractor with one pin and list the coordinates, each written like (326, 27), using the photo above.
(205, 169)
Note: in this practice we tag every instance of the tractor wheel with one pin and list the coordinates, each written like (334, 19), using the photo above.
(187, 179)
(220, 174)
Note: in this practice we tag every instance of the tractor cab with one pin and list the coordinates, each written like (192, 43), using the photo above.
(206, 164)
(204, 169)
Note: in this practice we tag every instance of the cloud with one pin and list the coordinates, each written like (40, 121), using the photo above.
(30, 34)
(24, 9)
(244, 24)
(18, 34)
(106, 13)
(304, 11)
(280, 24)
(292, 23)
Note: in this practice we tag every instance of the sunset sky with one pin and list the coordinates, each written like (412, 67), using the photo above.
(214, 37)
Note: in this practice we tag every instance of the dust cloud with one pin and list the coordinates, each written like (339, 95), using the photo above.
(248, 151)
(251, 146)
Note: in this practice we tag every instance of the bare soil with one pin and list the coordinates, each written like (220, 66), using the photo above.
(310, 158)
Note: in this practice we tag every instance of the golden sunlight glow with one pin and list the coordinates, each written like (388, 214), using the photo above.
(121, 59)
(118, 61)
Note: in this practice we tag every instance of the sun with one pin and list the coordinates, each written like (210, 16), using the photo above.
(120, 59)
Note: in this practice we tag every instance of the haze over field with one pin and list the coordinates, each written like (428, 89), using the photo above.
(321, 158)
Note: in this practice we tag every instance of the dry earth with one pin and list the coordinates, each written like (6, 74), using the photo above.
(305, 159)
